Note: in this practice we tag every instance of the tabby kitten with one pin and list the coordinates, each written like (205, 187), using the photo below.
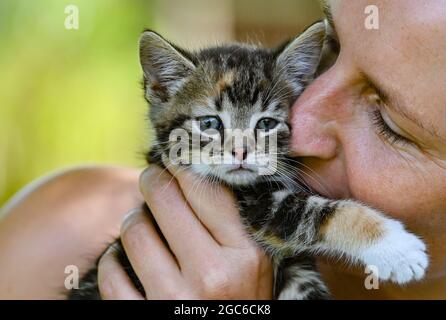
(248, 87)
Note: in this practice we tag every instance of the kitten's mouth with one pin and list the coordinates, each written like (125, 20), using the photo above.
(240, 169)
(239, 175)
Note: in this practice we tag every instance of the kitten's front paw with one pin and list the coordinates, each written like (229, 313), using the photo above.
(399, 256)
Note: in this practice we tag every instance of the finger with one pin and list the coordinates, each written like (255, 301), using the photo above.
(113, 281)
(187, 237)
(151, 259)
(215, 206)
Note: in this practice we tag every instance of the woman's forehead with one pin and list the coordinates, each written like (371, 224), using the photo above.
(406, 14)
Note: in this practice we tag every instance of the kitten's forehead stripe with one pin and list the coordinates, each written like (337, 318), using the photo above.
(241, 72)
(255, 95)
(218, 103)
(229, 92)
(225, 80)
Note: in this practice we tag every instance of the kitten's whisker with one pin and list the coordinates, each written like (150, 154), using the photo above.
(296, 171)
(288, 170)
(283, 94)
(327, 188)
(317, 179)
(288, 183)
(173, 176)
(275, 82)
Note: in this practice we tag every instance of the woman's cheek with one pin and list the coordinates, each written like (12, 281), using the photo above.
(380, 177)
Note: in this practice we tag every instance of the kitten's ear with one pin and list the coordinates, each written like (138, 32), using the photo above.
(165, 66)
(299, 58)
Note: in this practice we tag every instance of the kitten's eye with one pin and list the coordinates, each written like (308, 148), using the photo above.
(207, 123)
(267, 124)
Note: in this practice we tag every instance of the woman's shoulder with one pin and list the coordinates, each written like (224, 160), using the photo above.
(67, 217)
(79, 184)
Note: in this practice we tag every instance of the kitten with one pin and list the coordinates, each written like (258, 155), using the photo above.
(248, 87)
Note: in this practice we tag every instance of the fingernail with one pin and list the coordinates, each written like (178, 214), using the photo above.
(128, 218)
(153, 175)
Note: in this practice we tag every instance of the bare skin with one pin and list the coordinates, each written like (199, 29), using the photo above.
(65, 219)
(335, 135)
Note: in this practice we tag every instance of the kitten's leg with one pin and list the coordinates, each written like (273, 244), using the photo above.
(297, 278)
(343, 228)
(367, 236)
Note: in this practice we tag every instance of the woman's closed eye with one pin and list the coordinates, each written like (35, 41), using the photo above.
(387, 129)
(382, 121)
(414, 138)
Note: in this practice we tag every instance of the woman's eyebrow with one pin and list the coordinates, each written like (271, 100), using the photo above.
(394, 102)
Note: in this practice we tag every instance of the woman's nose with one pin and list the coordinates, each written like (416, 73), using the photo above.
(313, 119)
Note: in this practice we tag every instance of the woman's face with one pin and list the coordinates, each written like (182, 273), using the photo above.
(373, 126)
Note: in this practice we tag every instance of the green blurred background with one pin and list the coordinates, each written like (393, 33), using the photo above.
(73, 97)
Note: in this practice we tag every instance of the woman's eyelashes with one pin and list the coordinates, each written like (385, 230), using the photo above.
(386, 131)
(381, 121)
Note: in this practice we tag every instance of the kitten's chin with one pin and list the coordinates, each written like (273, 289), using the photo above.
(231, 176)
(240, 177)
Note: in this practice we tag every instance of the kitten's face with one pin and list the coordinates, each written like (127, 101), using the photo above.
(223, 112)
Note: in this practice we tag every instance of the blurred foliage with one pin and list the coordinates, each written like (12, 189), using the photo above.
(69, 96)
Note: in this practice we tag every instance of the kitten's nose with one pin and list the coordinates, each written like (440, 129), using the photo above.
(240, 153)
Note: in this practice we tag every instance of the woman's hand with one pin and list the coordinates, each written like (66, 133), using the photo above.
(210, 256)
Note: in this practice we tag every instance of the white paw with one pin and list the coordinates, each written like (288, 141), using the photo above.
(399, 256)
